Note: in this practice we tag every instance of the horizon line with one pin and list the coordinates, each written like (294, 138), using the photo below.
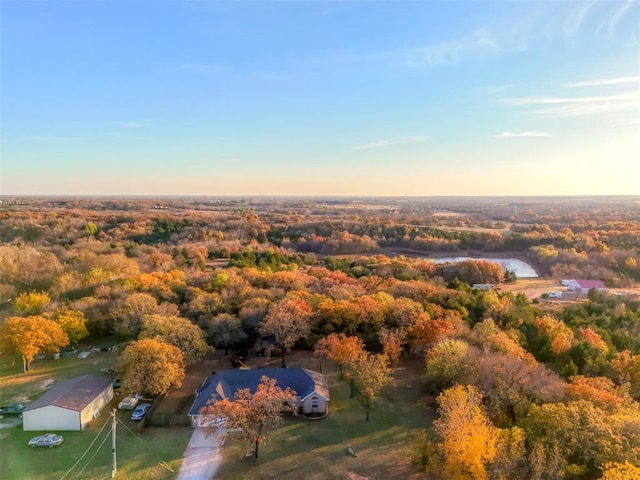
(314, 196)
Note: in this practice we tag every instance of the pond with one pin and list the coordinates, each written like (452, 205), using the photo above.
(517, 266)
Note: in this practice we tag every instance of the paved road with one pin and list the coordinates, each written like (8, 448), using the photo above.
(202, 456)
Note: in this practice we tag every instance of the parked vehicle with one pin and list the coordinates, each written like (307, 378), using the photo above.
(48, 440)
(66, 352)
(13, 409)
(140, 411)
(128, 403)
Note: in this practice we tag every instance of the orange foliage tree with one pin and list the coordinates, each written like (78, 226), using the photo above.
(392, 341)
(288, 321)
(343, 350)
(253, 413)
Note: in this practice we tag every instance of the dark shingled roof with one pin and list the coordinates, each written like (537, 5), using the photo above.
(73, 394)
(224, 384)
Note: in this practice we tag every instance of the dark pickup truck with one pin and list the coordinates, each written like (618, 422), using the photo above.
(14, 409)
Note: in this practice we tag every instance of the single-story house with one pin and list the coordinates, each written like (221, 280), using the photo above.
(583, 286)
(69, 405)
(312, 389)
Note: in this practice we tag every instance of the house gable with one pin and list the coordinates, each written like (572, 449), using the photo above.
(224, 384)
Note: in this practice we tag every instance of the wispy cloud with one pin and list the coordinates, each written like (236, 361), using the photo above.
(575, 106)
(451, 52)
(569, 20)
(129, 124)
(521, 134)
(556, 100)
(617, 16)
(575, 19)
(618, 101)
(605, 81)
(390, 143)
(480, 42)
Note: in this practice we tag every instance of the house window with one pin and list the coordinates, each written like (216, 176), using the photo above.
(314, 402)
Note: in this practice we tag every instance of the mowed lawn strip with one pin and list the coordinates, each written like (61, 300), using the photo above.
(317, 449)
(139, 456)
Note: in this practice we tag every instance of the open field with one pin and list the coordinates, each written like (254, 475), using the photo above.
(316, 449)
(531, 287)
(534, 288)
(139, 456)
(24, 388)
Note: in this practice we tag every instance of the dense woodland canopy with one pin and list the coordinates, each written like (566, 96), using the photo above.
(555, 391)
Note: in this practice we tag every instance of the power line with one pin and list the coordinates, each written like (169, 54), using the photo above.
(85, 452)
(94, 453)
(162, 462)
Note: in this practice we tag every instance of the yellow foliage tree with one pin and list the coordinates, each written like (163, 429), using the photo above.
(30, 336)
(73, 323)
(469, 439)
(371, 373)
(179, 332)
(151, 366)
(620, 471)
(31, 303)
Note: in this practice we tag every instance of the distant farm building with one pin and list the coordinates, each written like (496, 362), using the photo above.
(312, 389)
(583, 286)
(69, 405)
(483, 286)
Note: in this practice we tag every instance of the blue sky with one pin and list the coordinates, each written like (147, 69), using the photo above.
(320, 98)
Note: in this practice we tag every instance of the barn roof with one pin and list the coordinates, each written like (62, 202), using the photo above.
(589, 283)
(73, 393)
(224, 384)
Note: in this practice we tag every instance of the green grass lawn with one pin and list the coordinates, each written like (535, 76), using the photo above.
(139, 456)
(16, 386)
(316, 449)
(298, 449)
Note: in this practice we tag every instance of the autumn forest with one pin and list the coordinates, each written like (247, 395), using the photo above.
(522, 386)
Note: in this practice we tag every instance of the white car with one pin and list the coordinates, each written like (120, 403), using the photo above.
(129, 402)
(48, 440)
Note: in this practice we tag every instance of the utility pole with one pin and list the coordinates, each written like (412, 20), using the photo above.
(113, 442)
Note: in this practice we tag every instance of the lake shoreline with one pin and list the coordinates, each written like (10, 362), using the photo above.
(473, 254)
